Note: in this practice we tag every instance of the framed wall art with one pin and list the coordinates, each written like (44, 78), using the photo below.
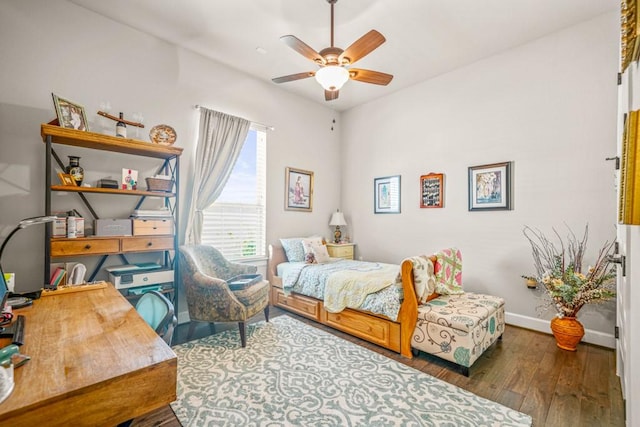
(386, 194)
(298, 190)
(490, 187)
(432, 190)
(70, 114)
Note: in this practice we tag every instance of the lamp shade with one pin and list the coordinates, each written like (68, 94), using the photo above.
(337, 219)
(332, 77)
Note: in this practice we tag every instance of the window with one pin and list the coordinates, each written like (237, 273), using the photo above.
(235, 224)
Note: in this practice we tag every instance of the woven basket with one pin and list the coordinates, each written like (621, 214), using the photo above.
(156, 184)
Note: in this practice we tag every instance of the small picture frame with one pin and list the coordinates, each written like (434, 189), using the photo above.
(70, 114)
(298, 190)
(490, 187)
(386, 195)
(129, 179)
(67, 179)
(432, 190)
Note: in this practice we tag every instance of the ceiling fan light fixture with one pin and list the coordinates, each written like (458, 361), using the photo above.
(332, 77)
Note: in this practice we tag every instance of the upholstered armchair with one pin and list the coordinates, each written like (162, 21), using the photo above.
(204, 271)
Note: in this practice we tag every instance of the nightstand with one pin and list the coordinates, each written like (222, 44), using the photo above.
(341, 250)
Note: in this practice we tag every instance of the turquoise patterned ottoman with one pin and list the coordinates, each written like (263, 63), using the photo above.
(459, 328)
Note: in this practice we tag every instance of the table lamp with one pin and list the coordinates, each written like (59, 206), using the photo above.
(337, 219)
(24, 224)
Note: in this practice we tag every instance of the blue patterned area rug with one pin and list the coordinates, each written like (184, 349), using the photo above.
(292, 374)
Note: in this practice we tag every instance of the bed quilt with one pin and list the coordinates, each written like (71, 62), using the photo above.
(311, 280)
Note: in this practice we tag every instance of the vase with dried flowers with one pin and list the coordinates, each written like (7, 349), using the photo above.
(564, 284)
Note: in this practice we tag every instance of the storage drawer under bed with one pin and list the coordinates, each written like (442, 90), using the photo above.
(304, 306)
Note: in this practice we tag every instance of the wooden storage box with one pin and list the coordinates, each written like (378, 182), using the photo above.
(152, 227)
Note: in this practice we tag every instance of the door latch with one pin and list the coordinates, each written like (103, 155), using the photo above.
(618, 259)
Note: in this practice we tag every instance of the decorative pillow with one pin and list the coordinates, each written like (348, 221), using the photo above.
(448, 271)
(308, 243)
(321, 253)
(293, 249)
(310, 258)
(424, 280)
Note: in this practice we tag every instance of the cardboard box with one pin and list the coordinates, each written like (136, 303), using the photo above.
(113, 227)
(152, 227)
(60, 227)
(79, 226)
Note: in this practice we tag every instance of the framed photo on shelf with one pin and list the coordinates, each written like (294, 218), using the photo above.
(67, 179)
(490, 187)
(70, 114)
(432, 190)
(129, 179)
(386, 194)
(298, 190)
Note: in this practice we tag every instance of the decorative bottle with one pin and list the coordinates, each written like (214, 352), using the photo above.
(121, 127)
(75, 170)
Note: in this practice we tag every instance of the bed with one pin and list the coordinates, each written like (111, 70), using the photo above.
(379, 328)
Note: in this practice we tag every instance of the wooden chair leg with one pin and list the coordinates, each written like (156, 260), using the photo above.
(192, 327)
(243, 334)
(266, 313)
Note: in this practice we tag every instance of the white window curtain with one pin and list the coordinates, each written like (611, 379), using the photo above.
(220, 140)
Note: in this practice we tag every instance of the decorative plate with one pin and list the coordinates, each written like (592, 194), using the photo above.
(163, 135)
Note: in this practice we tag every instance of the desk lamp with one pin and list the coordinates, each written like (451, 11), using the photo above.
(24, 224)
(337, 219)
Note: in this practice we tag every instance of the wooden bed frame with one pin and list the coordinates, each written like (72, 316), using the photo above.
(377, 329)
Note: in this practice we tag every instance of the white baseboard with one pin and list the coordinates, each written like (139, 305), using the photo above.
(541, 325)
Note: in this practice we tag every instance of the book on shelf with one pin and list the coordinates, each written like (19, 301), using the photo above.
(57, 278)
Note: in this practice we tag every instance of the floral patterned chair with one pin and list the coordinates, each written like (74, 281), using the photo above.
(204, 271)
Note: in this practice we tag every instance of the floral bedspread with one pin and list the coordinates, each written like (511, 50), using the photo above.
(311, 280)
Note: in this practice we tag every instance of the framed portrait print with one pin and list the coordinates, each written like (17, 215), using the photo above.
(432, 190)
(386, 194)
(490, 187)
(70, 114)
(298, 190)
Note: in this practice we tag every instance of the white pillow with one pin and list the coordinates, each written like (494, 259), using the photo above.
(309, 242)
(321, 253)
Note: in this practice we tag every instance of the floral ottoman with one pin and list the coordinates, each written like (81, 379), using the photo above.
(459, 328)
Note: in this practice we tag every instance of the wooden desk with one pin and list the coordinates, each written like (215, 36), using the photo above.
(94, 361)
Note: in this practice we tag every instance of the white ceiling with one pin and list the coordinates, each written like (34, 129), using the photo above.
(425, 38)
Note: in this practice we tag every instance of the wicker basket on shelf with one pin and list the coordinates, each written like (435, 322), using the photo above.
(158, 184)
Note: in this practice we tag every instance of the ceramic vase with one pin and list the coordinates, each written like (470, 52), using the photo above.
(568, 332)
(74, 169)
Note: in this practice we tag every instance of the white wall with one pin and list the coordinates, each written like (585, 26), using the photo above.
(54, 46)
(549, 107)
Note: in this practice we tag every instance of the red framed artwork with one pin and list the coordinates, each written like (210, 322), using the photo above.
(432, 190)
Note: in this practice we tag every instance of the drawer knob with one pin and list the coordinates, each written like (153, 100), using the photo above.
(149, 244)
(87, 246)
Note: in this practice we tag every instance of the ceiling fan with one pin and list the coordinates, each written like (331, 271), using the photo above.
(334, 62)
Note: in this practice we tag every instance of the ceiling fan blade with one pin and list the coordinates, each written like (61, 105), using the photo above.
(303, 49)
(362, 47)
(330, 95)
(368, 76)
(292, 77)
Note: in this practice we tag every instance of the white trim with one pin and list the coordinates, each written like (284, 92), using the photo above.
(540, 325)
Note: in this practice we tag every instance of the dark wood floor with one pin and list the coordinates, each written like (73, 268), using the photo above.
(525, 371)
